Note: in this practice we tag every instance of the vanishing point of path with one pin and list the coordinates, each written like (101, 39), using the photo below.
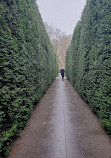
(62, 126)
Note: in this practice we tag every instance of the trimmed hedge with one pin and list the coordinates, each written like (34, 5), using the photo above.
(28, 66)
(88, 59)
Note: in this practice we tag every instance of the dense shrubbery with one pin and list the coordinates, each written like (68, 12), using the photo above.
(28, 65)
(88, 59)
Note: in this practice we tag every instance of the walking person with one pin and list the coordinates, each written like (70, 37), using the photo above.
(62, 73)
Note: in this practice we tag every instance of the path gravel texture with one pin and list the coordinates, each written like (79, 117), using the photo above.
(62, 126)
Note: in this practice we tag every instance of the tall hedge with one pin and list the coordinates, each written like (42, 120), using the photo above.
(28, 65)
(88, 59)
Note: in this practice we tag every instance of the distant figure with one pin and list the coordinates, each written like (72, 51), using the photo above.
(62, 73)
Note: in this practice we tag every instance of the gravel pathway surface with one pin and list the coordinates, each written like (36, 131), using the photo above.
(62, 126)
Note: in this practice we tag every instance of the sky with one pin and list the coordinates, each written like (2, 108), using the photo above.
(61, 14)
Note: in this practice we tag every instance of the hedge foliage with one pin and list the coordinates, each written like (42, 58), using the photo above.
(28, 65)
(88, 59)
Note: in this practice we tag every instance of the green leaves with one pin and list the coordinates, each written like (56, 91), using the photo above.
(28, 65)
(88, 60)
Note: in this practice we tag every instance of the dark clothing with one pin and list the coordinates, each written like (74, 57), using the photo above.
(62, 72)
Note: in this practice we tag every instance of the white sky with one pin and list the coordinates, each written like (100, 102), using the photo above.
(61, 14)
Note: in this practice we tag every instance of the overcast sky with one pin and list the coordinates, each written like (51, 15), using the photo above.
(61, 14)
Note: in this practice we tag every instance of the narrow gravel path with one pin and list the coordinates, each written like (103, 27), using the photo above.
(62, 126)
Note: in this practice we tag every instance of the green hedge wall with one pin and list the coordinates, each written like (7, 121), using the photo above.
(28, 65)
(88, 59)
